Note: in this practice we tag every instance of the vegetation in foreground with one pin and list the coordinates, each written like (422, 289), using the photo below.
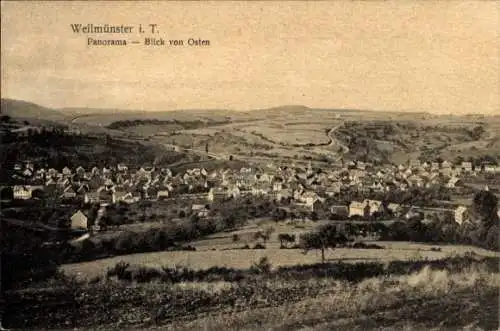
(286, 298)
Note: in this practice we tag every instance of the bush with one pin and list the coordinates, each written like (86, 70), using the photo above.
(145, 274)
(259, 246)
(118, 270)
(236, 238)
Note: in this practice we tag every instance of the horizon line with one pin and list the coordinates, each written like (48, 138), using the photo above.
(132, 110)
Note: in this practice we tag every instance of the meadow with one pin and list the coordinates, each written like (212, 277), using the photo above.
(222, 250)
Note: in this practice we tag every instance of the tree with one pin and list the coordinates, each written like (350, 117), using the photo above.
(265, 236)
(286, 238)
(484, 207)
(325, 237)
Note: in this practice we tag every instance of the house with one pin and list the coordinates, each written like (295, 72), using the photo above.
(63, 182)
(95, 171)
(79, 220)
(489, 168)
(52, 172)
(357, 208)
(122, 168)
(91, 197)
(216, 194)
(467, 166)
(445, 164)
(334, 188)
(106, 172)
(415, 180)
(394, 208)
(68, 193)
(375, 206)
(162, 194)
(118, 195)
(80, 171)
(314, 203)
(339, 210)
(66, 172)
(259, 190)
(22, 192)
(109, 183)
(266, 178)
(453, 182)
(105, 196)
(200, 210)
(446, 171)
(28, 173)
(277, 186)
(461, 214)
(415, 163)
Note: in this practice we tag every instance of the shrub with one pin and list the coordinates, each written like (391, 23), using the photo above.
(118, 270)
(236, 238)
(259, 246)
(145, 274)
(367, 246)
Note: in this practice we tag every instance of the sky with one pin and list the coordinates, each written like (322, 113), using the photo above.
(436, 56)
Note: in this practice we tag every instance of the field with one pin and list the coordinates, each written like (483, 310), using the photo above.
(288, 131)
(220, 250)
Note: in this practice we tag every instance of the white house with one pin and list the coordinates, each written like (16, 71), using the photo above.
(22, 192)
(79, 220)
(357, 208)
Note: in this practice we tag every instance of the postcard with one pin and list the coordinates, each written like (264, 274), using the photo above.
(250, 165)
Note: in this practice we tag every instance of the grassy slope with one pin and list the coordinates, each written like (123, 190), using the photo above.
(427, 299)
(28, 110)
(88, 151)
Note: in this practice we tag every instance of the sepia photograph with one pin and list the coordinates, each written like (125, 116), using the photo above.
(250, 165)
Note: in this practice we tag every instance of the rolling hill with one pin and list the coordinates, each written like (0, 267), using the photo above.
(291, 131)
(30, 111)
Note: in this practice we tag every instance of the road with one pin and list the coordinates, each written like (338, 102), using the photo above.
(333, 142)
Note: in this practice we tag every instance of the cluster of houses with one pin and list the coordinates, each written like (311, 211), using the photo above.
(304, 186)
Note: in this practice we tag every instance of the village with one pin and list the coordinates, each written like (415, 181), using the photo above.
(349, 192)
